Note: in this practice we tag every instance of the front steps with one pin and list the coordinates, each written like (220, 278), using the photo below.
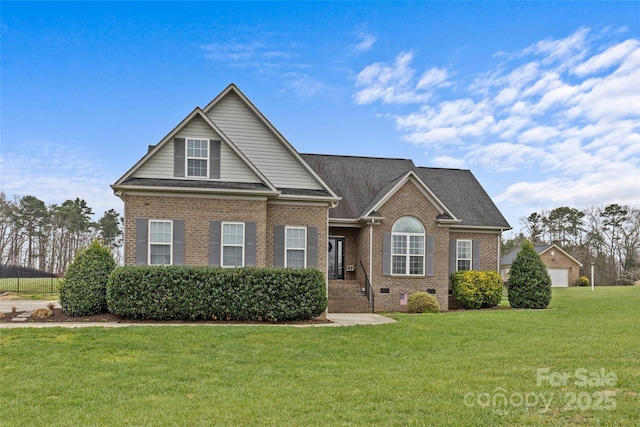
(346, 296)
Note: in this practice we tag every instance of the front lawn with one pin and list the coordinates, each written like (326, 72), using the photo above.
(458, 368)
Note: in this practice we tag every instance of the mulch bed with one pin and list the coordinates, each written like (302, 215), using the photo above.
(60, 317)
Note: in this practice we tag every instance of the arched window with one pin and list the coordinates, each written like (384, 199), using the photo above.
(407, 247)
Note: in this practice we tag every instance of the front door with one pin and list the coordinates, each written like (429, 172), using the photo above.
(336, 258)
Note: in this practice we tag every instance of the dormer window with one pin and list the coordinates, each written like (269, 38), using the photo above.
(198, 157)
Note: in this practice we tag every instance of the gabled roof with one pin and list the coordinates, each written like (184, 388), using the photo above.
(358, 180)
(364, 183)
(233, 89)
(508, 258)
(152, 150)
(461, 192)
(317, 189)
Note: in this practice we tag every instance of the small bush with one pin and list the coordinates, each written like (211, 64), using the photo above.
(582, 281)
(42, 313)
(84, 288)
(477, 289)
(529, 284)
(422, 302)
(203, 293)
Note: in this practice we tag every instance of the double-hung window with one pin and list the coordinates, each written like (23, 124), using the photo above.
(198, 157)
(407, 247)
(463, 257)
(232, 244)
(296, 247)
(160, 238)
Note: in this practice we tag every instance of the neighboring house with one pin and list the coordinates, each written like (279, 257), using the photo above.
(563, 269)
(225, 188)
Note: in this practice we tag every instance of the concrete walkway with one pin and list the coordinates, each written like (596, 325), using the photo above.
(338, 319)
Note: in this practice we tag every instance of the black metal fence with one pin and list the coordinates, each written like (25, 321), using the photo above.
(24, 280)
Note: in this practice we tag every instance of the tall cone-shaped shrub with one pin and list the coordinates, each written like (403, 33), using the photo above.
(529, 284)
(84, 288)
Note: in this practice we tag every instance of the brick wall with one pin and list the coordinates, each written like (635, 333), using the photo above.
(196, 212)
(303, 215)
(410, 201)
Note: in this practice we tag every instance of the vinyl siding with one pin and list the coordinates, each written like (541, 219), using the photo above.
(232, 167)
(259, 145)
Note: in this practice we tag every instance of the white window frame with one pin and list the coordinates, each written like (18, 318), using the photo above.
(408, 255)
(151, 243)
(223, 244)
(287, 248)
(458, 258)
(187, 158)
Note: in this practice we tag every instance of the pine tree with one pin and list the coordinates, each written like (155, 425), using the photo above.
(529, 283)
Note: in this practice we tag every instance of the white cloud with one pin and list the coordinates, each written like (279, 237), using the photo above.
(57, 173)
(564, 114)
(365, 41)
(389, 83)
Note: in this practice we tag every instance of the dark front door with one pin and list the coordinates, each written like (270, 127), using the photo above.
(336, 258)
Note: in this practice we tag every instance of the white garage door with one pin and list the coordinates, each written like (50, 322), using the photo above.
(559, 277)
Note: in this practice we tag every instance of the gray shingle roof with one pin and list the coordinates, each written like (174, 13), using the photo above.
(185, 183)
(358, 180)
(508, 258)
(361, 181)
(461, 192)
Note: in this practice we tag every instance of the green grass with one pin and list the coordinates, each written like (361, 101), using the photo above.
(416, 372)
(42, 285)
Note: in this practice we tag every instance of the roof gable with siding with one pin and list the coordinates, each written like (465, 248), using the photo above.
(232, 167)
(260, 142)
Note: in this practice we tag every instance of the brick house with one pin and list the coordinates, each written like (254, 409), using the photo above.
(225, 188)
(563, 269)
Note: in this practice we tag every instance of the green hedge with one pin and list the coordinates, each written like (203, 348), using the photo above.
(477, 289)
(83, 290)
(203, 293)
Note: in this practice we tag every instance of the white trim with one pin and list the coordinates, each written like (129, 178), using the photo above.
(286, 248)
(233, 88)
(222, 244)
(408, 255)
(470, 259)
(554, 246)
(413, 177)
(206, 159)
(170, 244)
(197, 112)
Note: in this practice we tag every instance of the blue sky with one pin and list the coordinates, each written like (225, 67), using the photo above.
(540, 100)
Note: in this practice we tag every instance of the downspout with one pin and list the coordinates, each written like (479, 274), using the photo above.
(371, 251)
(499, 245)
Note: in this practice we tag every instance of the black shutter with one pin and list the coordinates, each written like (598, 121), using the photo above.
(214, 159)
(386, 254)
(312, 247)
(278, 246)
(215, 233)
(178, 242)
(142, 241)
(250, 244)
(178, 157)
(430, 255)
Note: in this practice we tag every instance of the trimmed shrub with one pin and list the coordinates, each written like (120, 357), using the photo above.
(582, 281)
(204, 293)
(477, 289)
(84, 287)
(529, 284)
(422, 302)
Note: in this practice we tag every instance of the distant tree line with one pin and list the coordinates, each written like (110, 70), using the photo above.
(607, 237)
(35, 235)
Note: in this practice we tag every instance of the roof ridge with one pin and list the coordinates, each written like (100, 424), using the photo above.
(357, 157)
